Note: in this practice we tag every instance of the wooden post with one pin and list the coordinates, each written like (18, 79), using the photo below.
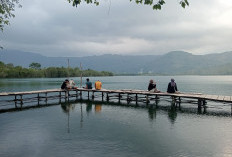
(68, 95)
(93, 96)
(81, 95)
(128, 99)
(147, 100)
(65, 95)
(38, 98)
(231, 109)
(136, 99)
(15, 100)
(102, 96)
(107, 97)
(88, 95)
(119, 97)
(21, 100)
(60, 97)
(76, 94)
(46, 98)
(199, 104)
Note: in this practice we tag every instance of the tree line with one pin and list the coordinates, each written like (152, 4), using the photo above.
(35, 71)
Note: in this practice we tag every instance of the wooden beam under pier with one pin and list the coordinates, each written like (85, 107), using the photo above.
(121, 95)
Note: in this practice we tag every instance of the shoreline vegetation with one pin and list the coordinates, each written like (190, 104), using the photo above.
(35, 71)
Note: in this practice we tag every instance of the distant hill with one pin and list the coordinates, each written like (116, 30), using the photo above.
(176, 62)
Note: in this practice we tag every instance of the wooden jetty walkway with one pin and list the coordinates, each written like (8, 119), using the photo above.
(127, 95)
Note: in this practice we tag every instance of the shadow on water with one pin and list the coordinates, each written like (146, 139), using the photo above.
(173, 108)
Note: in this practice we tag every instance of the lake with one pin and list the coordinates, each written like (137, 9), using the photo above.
(98, 129)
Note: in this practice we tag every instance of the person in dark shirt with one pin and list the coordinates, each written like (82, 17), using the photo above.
(172, 87)
(65, 84)
(88, 84)
(152, 87)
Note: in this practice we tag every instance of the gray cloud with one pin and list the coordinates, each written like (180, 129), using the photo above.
(55, 28)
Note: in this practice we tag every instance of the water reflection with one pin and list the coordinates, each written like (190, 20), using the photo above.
(67, 107)
(152, 109)
(152, 112)
(98, 108)
(172, 112)
(88, 107)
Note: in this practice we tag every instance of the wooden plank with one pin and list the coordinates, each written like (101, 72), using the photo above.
(227, 98)
(220, 97)
(215, 97)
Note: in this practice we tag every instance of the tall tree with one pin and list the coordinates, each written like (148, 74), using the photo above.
(34, 65)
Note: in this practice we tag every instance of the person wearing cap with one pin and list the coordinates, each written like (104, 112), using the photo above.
(152, 87)
(172, 87)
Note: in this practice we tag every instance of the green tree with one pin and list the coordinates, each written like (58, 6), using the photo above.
(7, 7)
(34, 65)
(156, 5)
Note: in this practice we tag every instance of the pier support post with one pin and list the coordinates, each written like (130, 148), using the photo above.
(15, 100)
(81, 95)
(107, 97)
(38, 98)
(76, 94)
(147, 99)
(46, 98)
(102, 96)
(199, 105)
(93, 96)
(136, 99)
(119, 97)
(60, 97)
(88, 95)
(21, 101)
(231, 109)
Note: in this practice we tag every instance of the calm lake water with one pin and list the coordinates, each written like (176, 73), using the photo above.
(107, 130)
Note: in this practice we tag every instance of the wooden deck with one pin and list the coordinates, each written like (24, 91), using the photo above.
(127, 95)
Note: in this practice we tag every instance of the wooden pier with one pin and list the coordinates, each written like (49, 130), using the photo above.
(137, 97)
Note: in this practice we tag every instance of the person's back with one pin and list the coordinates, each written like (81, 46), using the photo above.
(151, 85)
(71, 83)
(98, 85)
(64, 84)
(88, 84)
(172, 87)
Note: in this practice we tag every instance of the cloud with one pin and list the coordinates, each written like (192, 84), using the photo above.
(55, 28)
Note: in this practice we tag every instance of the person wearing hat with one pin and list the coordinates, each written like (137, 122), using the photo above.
(172, 87)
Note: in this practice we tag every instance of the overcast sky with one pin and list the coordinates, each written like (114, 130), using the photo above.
(55, 28)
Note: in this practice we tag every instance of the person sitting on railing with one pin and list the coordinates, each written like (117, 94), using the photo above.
(88, 84)
(72, 84)
(172, 87)
(152, 87)
(65, 85)
(98, 85)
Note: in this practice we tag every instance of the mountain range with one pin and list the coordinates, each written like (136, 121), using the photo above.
(172, 63)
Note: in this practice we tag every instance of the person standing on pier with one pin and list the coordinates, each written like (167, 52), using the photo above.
(88, 84)
(172, 87)
(152, 87)
(98, 85)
